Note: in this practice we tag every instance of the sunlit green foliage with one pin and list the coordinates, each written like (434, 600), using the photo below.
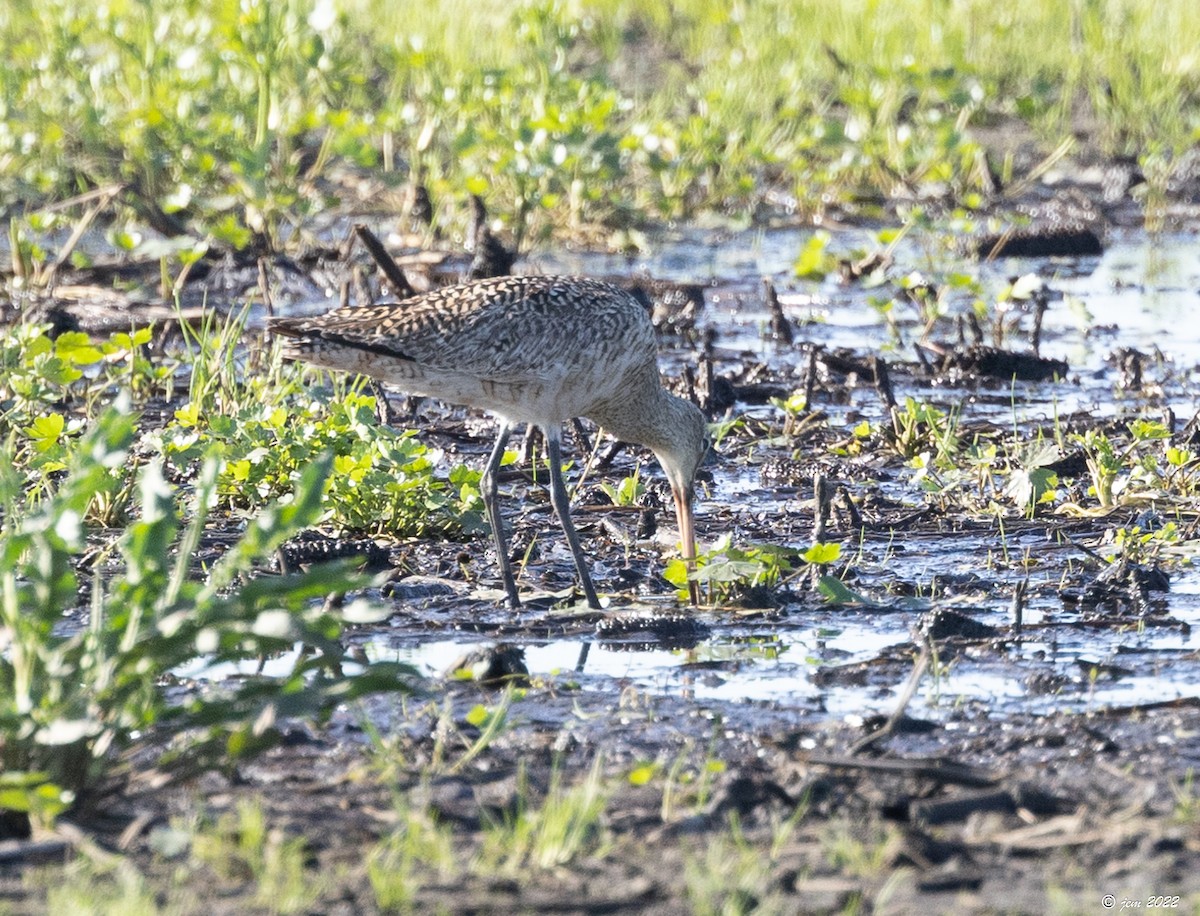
(40, 375)
(71, 697)
(383, 480)
(726, 572)
(228, 118)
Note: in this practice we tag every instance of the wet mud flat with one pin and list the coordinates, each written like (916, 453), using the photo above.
(999, 711)
(1018, 813)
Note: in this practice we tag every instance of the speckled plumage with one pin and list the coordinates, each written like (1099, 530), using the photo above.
(536, 350)
(533, 349)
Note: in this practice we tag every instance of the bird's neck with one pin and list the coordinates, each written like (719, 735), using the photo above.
(644, 414)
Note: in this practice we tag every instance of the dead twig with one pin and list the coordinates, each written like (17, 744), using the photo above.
(906, 695)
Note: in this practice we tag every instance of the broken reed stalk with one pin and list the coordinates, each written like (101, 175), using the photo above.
(821, 506)
(821, 502)
(976, 327)
(362, 290)
(1040, 304)
(390, 269)
(781, 328)
(264, 287)
(1018, 604)
(853, 516)
(883, 384)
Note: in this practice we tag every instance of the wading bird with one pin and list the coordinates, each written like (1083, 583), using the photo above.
(535, 350)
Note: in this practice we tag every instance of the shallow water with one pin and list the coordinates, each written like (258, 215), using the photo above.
(1144, 293)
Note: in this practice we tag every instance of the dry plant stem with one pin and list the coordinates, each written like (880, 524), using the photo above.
(923, 359)
(1018, 604)
(947, 772)
(103, 199)
(591, 450)
(14, 249)
(853, 516)
(264, 287)
(883, 384)
(396, 277)
(362, 289)
(810, 377)
(708, 380)
(821, 506)
(1041, 304)
(910, 689)
(976, 327)
(580, 437)
(781, 328)
(821, 503)
(1025, 182)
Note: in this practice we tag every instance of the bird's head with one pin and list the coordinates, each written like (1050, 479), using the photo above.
(684, 444)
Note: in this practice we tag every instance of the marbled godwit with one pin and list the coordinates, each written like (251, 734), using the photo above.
(535, 350)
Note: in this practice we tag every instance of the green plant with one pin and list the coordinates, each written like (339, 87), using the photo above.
(727, 571)
(241, 847)
(105, 885)
(920, 429)
(72, 697)
(735, 875)
(49, 386)
(1133, 545)
(224, 120)
(1030, 481)
(491, 722)
(1148, 464)
(683, 784)
(814, 261)
(863, 850)
(565, 826)
(398, 864)
(268, 427)
(627, 492)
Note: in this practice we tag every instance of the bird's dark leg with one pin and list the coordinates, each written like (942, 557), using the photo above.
(562, 506)
(490, 485)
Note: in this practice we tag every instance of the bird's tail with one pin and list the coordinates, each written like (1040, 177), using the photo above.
(295, 341)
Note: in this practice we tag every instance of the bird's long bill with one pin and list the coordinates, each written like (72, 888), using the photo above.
(687, 537)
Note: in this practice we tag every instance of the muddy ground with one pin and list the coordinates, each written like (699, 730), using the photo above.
(1069, 784)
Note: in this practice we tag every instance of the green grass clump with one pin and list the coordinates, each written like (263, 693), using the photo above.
(566, 826)
(241, 848)
(236, 120)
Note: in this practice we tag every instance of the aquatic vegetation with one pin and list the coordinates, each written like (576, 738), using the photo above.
(727, 572)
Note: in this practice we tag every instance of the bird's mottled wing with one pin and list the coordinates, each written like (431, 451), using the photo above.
(503, 329)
